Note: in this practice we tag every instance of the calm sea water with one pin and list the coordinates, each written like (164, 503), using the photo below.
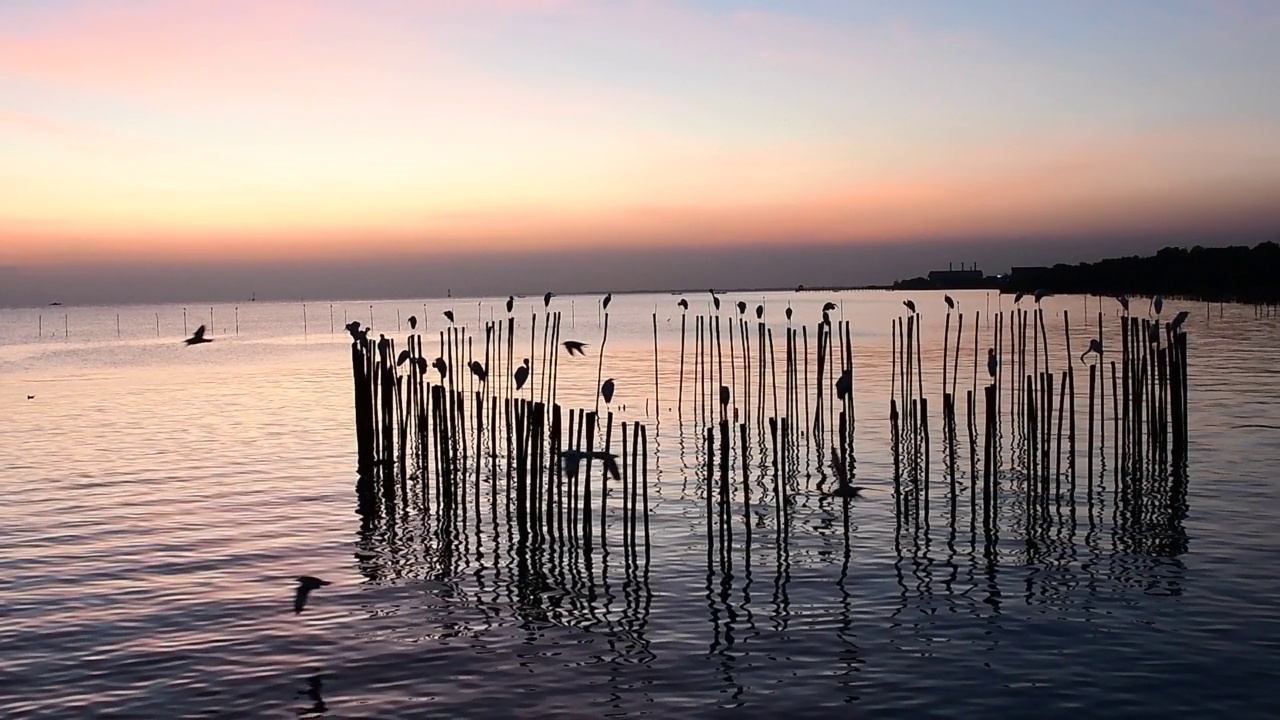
(160, 500)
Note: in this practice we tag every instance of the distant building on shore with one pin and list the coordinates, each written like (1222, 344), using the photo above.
(970, 277)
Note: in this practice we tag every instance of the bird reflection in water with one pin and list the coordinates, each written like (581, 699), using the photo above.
(315, 685)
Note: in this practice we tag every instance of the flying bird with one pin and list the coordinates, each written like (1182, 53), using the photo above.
(441, 366)
(910, 306)
(684, 304)
(829, 307)
(31, 397)
(951, 303)
(606, 391)
(760, 312)
(546, 299)
(511, 303)
(306, 584)
(197, 337)
(478, 370)
(448, 315)
(1095, 346)
(1178, 320)
(571, 459)
(844, 385)
(992, 363)
(413, 322)
(573, 346)
(522, 374)
(608, 298)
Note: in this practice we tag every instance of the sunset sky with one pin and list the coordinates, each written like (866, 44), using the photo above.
(226, 132)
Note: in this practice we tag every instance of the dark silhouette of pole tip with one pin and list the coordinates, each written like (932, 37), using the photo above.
(606, 391)
(573, 346)
(441, 366)
(511, 303)
(197, 337)
(910, 306)
(522, 374)
(413, 322)
(477, 369)
(448, 314)
(829, 307)
(1178, 320)
(844, 384)
(684, 304)
(306, 584)
(951, 303)
(1095, 346)
(992, 363)
(546, 299)
(608, 298)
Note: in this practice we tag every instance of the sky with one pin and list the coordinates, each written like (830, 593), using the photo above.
(645, 144)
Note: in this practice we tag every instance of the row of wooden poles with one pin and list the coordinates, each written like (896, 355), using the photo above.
(1147, 435)
(458, 436)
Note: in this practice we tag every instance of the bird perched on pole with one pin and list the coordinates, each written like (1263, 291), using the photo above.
(1095, 346)
(448, 314)
(1018, 297)
(1157, 303)
(441, 367)
(478, 370)
(844, 385)
(511, 303)
(1178, 320)
(760, 312)
(910, 306)
(788, 312)
(522, 374)
(715, 299)
(742, 308)
(608, 298)
(829, 307)
(1042, 294)
(951, 303)
(606, 391)
(413, 322)
(546, 299)
(992, 363)
(1124, 303)
(684, 304)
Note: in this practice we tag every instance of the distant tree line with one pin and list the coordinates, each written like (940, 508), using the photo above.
(1220, 274)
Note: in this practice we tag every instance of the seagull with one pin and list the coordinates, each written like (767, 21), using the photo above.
(829, 307)
(403, 357)
(606, 391)
(1157, 302)
(951, 303)
(478, 370)
(1124, 303)
(448, 315)
(306, 584)
(607, 299)
(844, 385)
(684, 304)
(197, 337)
(546, 299)
(910, 306)
(1042, 294)
(1095, 346)
(1178, 320)
(413, 322)
(522, 374)
(440, 365)
(1018, 297)
(992, 363)
(573, 346)
(511, 303)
